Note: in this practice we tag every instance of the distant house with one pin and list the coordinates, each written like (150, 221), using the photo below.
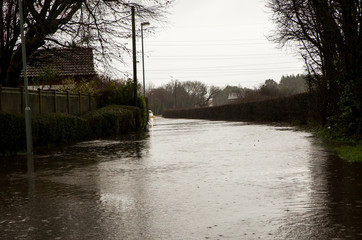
(47, 68)
(233, 97)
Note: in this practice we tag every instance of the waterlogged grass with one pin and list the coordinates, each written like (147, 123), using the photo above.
(350, 153)
(346, 148)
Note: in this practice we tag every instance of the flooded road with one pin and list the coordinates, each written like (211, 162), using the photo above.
(185, 179)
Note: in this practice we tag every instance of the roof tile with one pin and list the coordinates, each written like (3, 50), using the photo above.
(65, 61)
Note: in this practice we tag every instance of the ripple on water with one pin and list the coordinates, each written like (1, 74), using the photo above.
(187, 180)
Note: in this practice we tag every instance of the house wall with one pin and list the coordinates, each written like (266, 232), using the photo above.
(12, 101)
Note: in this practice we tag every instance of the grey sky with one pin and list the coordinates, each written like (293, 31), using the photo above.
(216, 42)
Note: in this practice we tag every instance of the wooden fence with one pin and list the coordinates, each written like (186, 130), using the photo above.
(40, 101)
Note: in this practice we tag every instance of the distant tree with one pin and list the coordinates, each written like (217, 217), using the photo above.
(178, 92)
(328, 34)
(196, 91)
(291, 84)
(160, 99)
(199, 93)
(67, 23)
(269, 88)
(212, 92)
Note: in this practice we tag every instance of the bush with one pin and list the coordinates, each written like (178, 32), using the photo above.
(113, 120)
(84, 86)
(117, 92)
(144, 111)
(60, 128)
(12, 129)
(291, 109)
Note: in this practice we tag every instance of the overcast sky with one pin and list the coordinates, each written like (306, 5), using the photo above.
(216, 42)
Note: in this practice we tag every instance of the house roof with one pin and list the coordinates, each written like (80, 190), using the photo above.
(64, 61)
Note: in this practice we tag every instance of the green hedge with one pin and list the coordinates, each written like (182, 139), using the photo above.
(12, 130)
(113, 120)
(143, 110)
(60, 128)
(292, 109)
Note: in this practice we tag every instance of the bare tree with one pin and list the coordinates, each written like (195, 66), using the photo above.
(200, 93)
(328, 34)
(100, 24)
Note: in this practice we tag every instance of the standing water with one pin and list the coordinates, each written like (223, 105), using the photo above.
(186, 179)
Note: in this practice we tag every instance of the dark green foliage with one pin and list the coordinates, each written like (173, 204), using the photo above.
(60, 128)
(347, 121)
(47, 129)
(119, 93)
(269, 88)
(12, 130)
(292, 109)
(291, 84)
(328, 34)
(113, 120)
(141, 103)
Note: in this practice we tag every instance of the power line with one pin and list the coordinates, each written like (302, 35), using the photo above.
(207, 57)
(205, 44)
(223, 74)
(206, 40)
(226, 68)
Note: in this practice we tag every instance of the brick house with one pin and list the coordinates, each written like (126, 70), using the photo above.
(47, 68)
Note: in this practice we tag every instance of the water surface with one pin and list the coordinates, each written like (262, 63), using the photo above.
(185, 179)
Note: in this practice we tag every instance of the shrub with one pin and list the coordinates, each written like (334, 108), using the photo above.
(84, 86)
(58, 128)
(117, 92)
(291, 109)
(61, 128)
(12, 129)
(113, 120)
(144, 112)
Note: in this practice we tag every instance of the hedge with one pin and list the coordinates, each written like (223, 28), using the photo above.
(60, 128)
(113, 120)
(12, 130)
(291, 109)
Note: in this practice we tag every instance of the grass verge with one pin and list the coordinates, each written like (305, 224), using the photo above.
(351, 153)
(346, 148)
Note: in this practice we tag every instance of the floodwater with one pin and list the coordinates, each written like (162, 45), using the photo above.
(185, 179)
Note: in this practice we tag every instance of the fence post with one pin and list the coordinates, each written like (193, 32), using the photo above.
(80, 102)
(68, 103)
(22, 99)
(89, 101)
(1, 94)
(55, 100)
(40, 103)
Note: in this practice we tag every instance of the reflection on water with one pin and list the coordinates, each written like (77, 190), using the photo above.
(185, 179)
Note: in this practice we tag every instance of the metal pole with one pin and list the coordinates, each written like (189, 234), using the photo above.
(29, 139)
(143, 58)
(143, 63)
(134, 56)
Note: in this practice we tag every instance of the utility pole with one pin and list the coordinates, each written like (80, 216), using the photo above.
(29, 138)
(143, 59)
(134, 56)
